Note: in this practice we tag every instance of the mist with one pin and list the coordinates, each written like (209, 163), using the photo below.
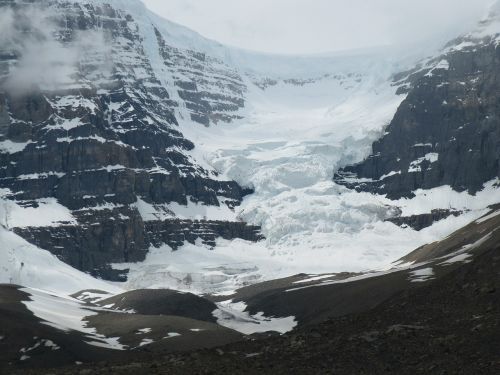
(44, 60)
(317, 26)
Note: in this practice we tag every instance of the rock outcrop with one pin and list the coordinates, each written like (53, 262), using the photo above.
(446, 132)
(419, 222)
(211, 90)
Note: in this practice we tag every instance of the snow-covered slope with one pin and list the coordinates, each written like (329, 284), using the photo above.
(22, 263)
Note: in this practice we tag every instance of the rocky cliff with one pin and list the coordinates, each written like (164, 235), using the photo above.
(96, 132)
(211, 90)
(447, 130)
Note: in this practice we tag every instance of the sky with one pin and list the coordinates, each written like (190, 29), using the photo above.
(316, 26)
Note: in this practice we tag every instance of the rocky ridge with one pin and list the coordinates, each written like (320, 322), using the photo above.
(446, 131)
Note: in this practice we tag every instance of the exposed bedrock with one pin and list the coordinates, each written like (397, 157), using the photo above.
(446, 132)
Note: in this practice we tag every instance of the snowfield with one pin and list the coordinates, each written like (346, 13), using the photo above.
(22, 263)
(67, 314)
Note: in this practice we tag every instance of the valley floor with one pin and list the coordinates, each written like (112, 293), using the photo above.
(450, 326)
(438, 312)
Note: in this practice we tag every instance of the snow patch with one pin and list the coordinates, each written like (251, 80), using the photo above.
(415, 166)
(146, 342)
(465, 257)
(441, 65)
(488, 217)
(67, 314)
(421, 275)
(233, 315)
(390, 174)
(464, 254)
(49, 213)
(9, 147)
(22, 263)
(172, 334)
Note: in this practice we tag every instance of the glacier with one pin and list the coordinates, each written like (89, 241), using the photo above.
(299, 125)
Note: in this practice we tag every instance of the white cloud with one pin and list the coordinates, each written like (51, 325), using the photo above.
(6, 25)
(312, 26)
(44, 61)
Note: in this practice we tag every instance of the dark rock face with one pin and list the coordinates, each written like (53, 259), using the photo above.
(99, 238)
(120, 235)
(446, 132)
(104, 140)
(343, 80)
(176, 232)
(211, 90)
(419, 222)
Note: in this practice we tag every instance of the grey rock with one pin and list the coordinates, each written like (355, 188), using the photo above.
(452, 113)
(112, 139)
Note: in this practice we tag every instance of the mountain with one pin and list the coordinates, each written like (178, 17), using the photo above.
(446, 130)
(147, 138)
(99, 110)
(161, 192)
(99, 144)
